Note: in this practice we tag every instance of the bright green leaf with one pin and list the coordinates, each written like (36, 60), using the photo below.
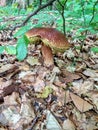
(94, 49)
(10, 50)
(22, 30)
(21, 48)
(2, 49)
(26, 40)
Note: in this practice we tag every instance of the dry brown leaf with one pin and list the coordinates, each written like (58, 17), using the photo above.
(32, 61)
(27, 77)
(5, 87)
(69, 77)
(42, 72)
(81, 104)
(39, 85)
(68, 125)
(52, 123)
(95, 67)
(12, 99)
(90, 73)
(7, 68)
(4, 83)
(60, 93)
(24, 67)
(81, 87)
(27, 111)
(94, 97)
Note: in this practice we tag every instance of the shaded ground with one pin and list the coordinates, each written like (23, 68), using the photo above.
(65, 97)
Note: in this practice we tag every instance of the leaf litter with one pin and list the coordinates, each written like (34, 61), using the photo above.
(64, 97)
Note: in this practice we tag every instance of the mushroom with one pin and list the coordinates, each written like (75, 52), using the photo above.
(51, 39)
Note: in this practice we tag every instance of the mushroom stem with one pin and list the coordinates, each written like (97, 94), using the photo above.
(47, 55)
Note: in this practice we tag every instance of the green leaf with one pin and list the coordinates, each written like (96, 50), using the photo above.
(10, 50)
(22, 30)
(21, 49)
(78, 47)
(26, 40)
(2, 49)
(94, 49)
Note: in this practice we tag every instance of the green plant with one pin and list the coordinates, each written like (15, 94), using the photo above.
(80, 18)
(21, 48)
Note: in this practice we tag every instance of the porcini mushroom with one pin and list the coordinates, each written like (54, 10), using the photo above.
(51, 39)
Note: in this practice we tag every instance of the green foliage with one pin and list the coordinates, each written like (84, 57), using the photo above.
(15, 5)
(81, 17)
(10, 49)
(30, 8)
(21, 48)
(22, 30)
(59, 5)
(2, 49)
(94, 49)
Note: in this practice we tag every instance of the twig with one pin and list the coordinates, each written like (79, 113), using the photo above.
(34, 122)
(62, 14)
(93, 11)
(40, 3)
(82, 5)
(40, 7)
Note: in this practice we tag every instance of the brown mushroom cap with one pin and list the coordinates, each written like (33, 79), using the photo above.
(50, 37)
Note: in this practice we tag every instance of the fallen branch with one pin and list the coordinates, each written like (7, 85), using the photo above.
(40, 7)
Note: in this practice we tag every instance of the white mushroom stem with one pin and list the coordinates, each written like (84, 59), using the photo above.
(47, 55)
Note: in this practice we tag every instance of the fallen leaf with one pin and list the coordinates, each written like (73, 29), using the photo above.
(69, 77)
(45, 92)
(59, 92)
(90, 73)
(81, 87)
(32, 61)
(38, 85)
(69, 53)
(24, 67)
(81, 104)
(52, 123)
(12, 116)
(12, 99)
(27, 111)
(68, 125)
(71, 68)
(94, 97)
(7, 68)
(4, 83)
(60, 63)
(27, 77)
(5, 87)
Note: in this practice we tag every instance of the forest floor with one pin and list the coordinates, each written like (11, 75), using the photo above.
(65, 97)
